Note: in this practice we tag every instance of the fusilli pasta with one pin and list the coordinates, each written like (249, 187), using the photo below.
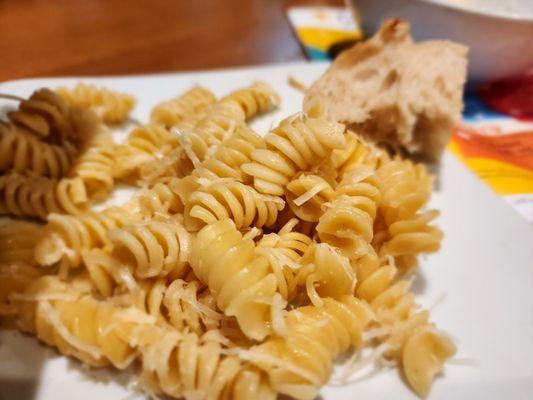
(111, 106)
(183, 305)
(152, 248)
(46, 115)
(299, 363)
(348, 223)
(306, 195)
(170, 112)
(66, 236)
(18, 240)
(36, 196)
(230, 199)
(22, 152)
(298, 143)
(189, 366)
(255, 99)
(244, 288)
(66, 317)
(95, 167)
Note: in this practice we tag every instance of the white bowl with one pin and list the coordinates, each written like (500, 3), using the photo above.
(499, 33)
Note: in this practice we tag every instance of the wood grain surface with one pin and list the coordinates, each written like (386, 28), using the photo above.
(100, 37)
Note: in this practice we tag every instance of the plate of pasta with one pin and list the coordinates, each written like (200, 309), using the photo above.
(198, 236)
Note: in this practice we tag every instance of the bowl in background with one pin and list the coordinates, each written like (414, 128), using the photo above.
(499, 33)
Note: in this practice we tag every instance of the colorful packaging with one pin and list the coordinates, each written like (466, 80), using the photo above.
(324, 31)
(498, 148)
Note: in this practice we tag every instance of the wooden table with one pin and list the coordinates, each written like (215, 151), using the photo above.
(98, 37)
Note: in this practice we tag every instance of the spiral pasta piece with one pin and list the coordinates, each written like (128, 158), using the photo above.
(224, 163)
(230, 199)
(300, 362)
(306, 195)
(411, 237)
(111, 106)
(65, 316)
(191, 367)
(356, 154)
(18, 240)
(66, 236)
(410, 339)
(183, 305)
(298, 143)
(255, 99)
(162, 198)
(21, 152)
(348, 223)
(36, 196)
(43, 114)
(95, 167)
(284, 251)
(171, 112)
(46, 115)
(327, 273)
(230, 155)
(424, 355)
(237, 275)
(14, 278)
(206, 130)
(406, 188)
(143, 145)
(197, 139)
(152, 248)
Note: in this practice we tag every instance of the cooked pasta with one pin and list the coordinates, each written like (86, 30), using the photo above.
(255, 99)
(22, 152)
(170, 112)
(160, 198)
(410, 237)
(230, 199)
(143, 145)
(230, 155)
(153, 248)
(299, 363)
(348, 223)
(18, 240)
(221, 243)
(36, 196)
(327, 273)
(14, 278)
(66, 236)
(196, 140)
(204, 277)
(215, 123)
(298, 143)
(284, 251)
(46, 115)
(66, 317)
(306, 195)
(191, 366)
(356, 154)
(183, 305)
(95, 167)
(406, 189)
(113, 107)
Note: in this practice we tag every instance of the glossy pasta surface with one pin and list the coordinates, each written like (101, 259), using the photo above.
(243, 267)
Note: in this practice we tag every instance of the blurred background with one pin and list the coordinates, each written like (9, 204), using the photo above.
(102, 37)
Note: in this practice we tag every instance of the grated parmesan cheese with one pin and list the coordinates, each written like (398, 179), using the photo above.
(304, 198)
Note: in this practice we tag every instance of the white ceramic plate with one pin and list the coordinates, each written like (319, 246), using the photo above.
(484, 269)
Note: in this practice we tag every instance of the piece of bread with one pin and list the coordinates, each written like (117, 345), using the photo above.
(394, 91)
